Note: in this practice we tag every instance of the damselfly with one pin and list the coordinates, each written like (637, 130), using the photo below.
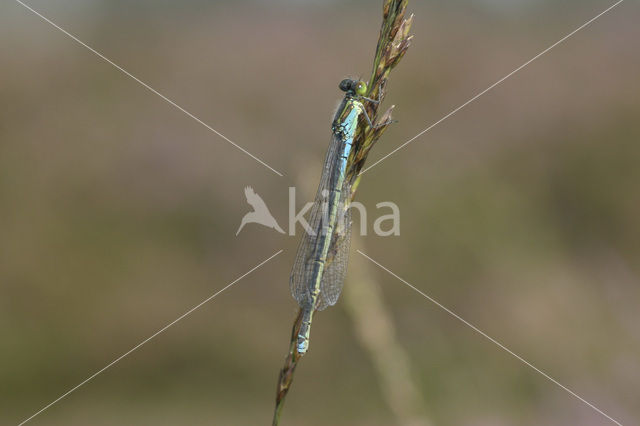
(321, 261)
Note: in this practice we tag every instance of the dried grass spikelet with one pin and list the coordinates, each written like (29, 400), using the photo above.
(393, 43)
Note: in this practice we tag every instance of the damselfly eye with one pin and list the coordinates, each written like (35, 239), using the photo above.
(345, 85)
(360, 88)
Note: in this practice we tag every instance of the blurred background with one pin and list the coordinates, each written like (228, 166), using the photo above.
(118, 213)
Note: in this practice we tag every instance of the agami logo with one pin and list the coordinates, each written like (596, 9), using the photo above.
(260, 214)
(385, 224)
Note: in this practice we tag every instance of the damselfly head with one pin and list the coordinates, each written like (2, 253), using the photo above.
(355, 87)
